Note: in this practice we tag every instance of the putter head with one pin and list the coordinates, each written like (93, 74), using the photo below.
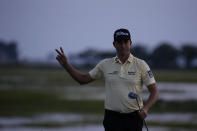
(132, 95)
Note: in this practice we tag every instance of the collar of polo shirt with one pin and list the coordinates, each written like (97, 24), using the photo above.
(117, 60)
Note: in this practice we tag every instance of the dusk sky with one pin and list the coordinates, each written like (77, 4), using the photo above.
(40, 26)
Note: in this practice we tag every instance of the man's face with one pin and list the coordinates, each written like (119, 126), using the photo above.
(123, 47)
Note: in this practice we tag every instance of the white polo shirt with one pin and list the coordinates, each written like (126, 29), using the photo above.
(120, 79)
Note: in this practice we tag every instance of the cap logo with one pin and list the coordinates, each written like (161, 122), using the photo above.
(121, 33)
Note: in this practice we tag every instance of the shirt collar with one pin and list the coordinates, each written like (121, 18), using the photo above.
(117, 60)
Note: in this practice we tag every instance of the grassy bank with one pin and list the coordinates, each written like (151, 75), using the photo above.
(28, 102)
(187, 76)
(26, 91)
(46, 78)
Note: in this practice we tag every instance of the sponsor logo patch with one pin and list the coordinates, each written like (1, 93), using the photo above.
(113, 73)
(131, 73)
(150, 74)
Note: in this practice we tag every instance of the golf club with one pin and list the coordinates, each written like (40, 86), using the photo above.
(135, 96)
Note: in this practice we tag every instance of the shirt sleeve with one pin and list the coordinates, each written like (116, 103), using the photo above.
(96, 72)
(147, 75)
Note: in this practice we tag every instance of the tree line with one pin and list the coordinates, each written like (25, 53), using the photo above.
(164, 56)
(8, 52)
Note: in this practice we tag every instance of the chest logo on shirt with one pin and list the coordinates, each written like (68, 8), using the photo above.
(150, 73)
(131, 73)
(113, 73)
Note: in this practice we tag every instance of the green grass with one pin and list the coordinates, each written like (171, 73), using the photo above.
(21, 77)
(180, 125)
(174, 106)
(188, 76)
(28, 103)
(85, 122)
(66, 124)
(39, 77)
(51, 77)
(42, 97)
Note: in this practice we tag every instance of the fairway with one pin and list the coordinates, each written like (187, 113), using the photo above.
(26, 92)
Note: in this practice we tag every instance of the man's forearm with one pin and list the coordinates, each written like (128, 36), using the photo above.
(76, 75)
(152, 97)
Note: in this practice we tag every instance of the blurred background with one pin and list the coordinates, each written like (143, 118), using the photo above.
(36, 94)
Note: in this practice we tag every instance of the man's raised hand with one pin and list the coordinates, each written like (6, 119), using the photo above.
(61, 57)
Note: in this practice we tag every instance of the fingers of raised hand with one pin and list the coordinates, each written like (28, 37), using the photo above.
(61, 49)
(58, 57)
(61, 57)
(59, 53)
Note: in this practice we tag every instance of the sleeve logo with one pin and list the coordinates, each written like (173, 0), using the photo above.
(150, 73)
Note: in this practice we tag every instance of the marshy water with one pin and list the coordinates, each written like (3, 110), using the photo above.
(167, 92)
(18, 123)
(82, 122)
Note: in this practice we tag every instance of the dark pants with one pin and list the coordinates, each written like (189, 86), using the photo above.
(114, 121)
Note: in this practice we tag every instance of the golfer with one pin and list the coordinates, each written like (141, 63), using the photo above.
(123, 74)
